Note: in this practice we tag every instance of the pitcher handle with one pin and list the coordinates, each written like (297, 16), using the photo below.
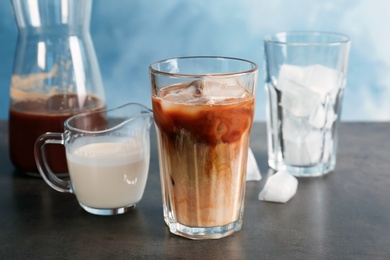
(40, 159)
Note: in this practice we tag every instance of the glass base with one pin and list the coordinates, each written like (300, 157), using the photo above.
(276, 163)
(310, 171)
(199, 233)
(108, 212)
(305, 171)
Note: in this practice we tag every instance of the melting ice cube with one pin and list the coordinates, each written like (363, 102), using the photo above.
(328, 147)
(310, 149)
(222, 89)
(183, 95)
(207, 91)
(179, 98)
(294, 131)
(314, 144)
(296, 152)
(323, 80)
(305, 150)
(297, 99)
(280, 187)
(302, 143)
(192, 88)
(289, 72)
(318, 116)
(294, 128)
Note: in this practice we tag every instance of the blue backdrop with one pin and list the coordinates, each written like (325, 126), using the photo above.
(129, 35)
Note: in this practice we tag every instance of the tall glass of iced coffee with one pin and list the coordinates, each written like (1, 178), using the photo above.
(203, 109)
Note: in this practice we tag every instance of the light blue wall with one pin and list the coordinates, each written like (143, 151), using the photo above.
(129, 35)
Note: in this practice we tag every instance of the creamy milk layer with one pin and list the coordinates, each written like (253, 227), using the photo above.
(108, 174)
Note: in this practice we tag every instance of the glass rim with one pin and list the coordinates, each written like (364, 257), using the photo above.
(334, 38)
(69, 127)
(254, 67)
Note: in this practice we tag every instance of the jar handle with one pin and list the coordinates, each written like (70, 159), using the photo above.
(40, 159)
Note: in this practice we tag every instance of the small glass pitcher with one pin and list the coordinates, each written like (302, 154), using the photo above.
(55, 75)
(108, 156)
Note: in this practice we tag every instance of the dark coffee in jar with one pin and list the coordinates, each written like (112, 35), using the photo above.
(28, 119)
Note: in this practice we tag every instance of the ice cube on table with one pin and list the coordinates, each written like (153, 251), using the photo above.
(253, 171)
(289, 72)
(280, 187)
(322, 79)
(297, 99)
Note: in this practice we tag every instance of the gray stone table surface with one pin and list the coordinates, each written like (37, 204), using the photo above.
(344, 215)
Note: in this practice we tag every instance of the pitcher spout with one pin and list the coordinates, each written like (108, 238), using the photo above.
(104, 121)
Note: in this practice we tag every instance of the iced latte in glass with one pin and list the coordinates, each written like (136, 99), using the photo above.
(203, 118)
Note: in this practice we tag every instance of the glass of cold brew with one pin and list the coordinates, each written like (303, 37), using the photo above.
(203, 109)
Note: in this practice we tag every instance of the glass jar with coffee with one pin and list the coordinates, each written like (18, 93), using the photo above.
(55, 76)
